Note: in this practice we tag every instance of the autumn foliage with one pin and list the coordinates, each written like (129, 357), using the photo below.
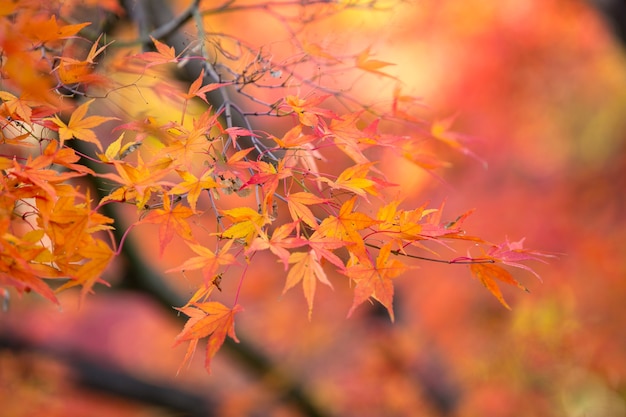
(310, 193)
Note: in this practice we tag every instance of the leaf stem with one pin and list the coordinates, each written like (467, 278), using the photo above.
(463, 260)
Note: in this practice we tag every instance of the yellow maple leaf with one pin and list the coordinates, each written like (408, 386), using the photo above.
(193, 186)
(246, 223)
(306, 268)
(79, 126)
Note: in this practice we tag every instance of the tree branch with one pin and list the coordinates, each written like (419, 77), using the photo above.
(91, 373)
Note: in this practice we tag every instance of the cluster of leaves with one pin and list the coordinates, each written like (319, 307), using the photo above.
(267, 192)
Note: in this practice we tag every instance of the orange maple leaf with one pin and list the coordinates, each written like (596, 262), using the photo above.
(138, 182)
(293, 138)
(197, 89)
(236, 163)
(16, 108)
(364, 62)
(79, 126)
(21, 267)
(346, 226)
(97, 255)
(354, 179)
(441, 131)
(36, 173)
(212, 319)
(323, 247)
(308, 114)
(74, 71)
(193, 186)
(206, 289)
(306, 268)
(208, 261)
(164, 54)
(49, 30)
(279, 242)
(65, 157)
(400, 224)
(375, 281)
(315, 50)
(488, 274)
(117, 151)
(171, 220)
(297, 204)
(349, 138)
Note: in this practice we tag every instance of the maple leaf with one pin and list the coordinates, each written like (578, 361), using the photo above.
(74, 71)
(346, 226)
(35, 173)
(398, 98)
(117, 151)
(488, 274)
(65, 223)
(197, 89)
(79, 126)
(50, 30)
(306, 268)
(21, 267)
(278, 243)
(315, 50)
(364, 62)
(297, 204)
(246, 223)
(171, 220)
(147, 128)
(211, 319)
(208, 261)
(400, 224)
(5, 163)
(16, 108)
(164, 54)
(375, 281)
(306, 156)
(293, 138)
(138, 182)
(323, 247)
(349, 138)
(512, 253)
(65, 157)
(441, 130)
(353, 179)
(308, 114)
(193, 186)
(185, 149)
(435, 228)
(205, 290)
(235, 164)
(268, 175)
(96, 255)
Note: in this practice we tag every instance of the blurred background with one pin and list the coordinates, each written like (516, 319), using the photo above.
(538, 87)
